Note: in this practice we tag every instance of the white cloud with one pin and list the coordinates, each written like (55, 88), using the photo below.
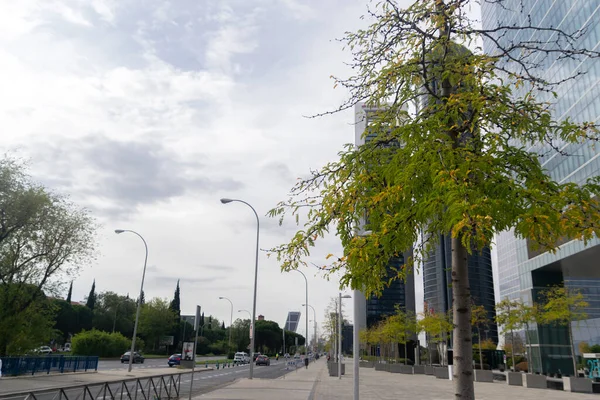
(167, 109)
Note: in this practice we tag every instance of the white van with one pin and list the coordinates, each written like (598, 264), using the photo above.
(241, 358)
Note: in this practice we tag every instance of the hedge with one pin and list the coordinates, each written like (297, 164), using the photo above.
(102, 344)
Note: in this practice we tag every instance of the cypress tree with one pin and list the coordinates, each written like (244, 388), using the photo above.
(68, 300)
(91, 300)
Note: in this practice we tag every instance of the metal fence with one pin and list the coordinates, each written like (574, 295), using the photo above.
(148, 388)
(13, 366)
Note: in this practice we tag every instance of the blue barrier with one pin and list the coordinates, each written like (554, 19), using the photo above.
(14, 366)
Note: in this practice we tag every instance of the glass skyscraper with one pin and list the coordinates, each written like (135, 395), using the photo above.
(523, 272)
(437, 268)
(400, 293)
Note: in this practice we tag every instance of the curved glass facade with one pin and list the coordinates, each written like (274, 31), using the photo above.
(522, 272)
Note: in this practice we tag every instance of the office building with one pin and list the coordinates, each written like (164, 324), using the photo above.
(291, 323)
(401, 292)
(524, 272)
(437, 268)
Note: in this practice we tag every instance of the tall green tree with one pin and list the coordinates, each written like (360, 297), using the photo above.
(562, 306)
(479, 319)
(42, 235)
(156, 320)
(70, 293)
(91, 299)
(508, 314)
(458, 164)
(175, 306)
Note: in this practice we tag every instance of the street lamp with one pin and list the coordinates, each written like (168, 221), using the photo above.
(315, 321)
(346, 296)
(306, 317)
(230, 320)
(252, 322)
(139, 302)
(249, 315)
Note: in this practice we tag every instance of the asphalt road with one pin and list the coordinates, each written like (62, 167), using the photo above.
(105, 365)
(204, 382)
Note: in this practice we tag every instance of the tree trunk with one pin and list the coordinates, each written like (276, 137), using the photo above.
(463, 335)
(480, 356)
(512, 350)
(572, 345)
(405, 352)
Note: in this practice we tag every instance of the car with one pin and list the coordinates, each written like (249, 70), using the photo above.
(175, 359)
(241, 358)
(286, 355)
(137, 357)
(256, 356)
(43, 350)
(263, 360)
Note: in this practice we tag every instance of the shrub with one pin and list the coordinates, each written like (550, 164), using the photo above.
(102, 344)
(522, 366)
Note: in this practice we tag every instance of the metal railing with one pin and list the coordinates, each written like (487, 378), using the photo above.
(13, 366)
(143, 388)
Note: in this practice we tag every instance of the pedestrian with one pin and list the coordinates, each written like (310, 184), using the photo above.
(306, 362)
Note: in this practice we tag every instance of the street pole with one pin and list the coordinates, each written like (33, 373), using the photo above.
(196, 326)
(230, 319)
(315, 321)
(252, 323)
(139, 301)
(340, 335)
(356, 345)
(306, 311)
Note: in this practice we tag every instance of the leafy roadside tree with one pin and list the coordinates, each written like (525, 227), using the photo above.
(479, 318)
(458, 164)
(508, 315)
(156, 320)
(42, 235)
(562, 306)
(436, 326)
(25, 328)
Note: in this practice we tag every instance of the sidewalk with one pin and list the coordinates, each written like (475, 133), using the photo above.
(296, 385)
(315, 383)
(51, 381)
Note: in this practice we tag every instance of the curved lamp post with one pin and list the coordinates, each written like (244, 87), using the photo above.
(252, 322)
(139, 302)
(315, 321)
(306, 317)
(230, 320)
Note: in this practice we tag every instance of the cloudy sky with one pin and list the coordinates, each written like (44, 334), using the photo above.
(147, 112)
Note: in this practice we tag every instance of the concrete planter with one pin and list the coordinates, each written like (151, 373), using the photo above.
(367, 364)
(534, 381)
(380, 367)
(419, 369)
(484, 376)
(581, 385)
(514, 378)
(441, 372)
(429, 370)
(406, 369)
(395, 368)
(333, 369)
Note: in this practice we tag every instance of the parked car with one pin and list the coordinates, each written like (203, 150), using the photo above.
(43, 350)
(241, 358)
(175, 359)
(263, 360)
(137, 357)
